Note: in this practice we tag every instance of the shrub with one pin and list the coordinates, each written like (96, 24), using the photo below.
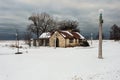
(84, 43)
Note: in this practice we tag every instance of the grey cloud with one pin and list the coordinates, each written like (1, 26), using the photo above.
(14, 13)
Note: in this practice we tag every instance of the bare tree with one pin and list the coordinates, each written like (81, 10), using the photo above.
(69, 25)
(41, 23)
(115, 32)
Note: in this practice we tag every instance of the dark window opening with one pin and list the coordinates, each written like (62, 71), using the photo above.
(71, 40)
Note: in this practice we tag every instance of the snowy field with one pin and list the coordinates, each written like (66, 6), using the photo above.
(48, 63)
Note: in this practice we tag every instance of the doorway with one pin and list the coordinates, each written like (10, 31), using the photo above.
(57, 42)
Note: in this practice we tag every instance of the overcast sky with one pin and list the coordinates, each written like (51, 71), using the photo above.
(15, 13)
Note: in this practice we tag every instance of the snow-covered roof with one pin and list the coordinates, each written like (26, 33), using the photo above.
(80, 35)
(45, 35)
(63, 35)
(67, 34)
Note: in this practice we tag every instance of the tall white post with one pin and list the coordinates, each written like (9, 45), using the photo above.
(17, 42)
(100, 34)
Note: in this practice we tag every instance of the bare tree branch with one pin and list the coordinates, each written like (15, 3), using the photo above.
(41, 23)
(69, 25)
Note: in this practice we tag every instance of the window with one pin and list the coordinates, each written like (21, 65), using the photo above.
(71, 40)
(75, 40)
(80, 40)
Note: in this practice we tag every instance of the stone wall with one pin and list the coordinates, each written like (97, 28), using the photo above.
(74, 43)
(60, 38)
(62, 41)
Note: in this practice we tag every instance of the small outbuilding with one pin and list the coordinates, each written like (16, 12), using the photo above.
(65, 39)
(44, 39)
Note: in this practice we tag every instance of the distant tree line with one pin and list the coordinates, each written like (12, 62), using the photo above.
(68, 25)
(115, 32)
(43, 22)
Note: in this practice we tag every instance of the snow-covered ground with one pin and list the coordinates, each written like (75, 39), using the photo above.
(48, 63)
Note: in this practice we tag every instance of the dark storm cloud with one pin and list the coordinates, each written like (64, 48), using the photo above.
(16, 12)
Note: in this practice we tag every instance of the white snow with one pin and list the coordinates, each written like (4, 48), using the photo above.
(72, 34)
(48, 63)
(80, 35)
(63, 35)
(45, 35)
(67, 32)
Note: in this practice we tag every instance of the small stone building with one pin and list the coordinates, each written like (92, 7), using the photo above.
(65, 39)
(44, 39)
